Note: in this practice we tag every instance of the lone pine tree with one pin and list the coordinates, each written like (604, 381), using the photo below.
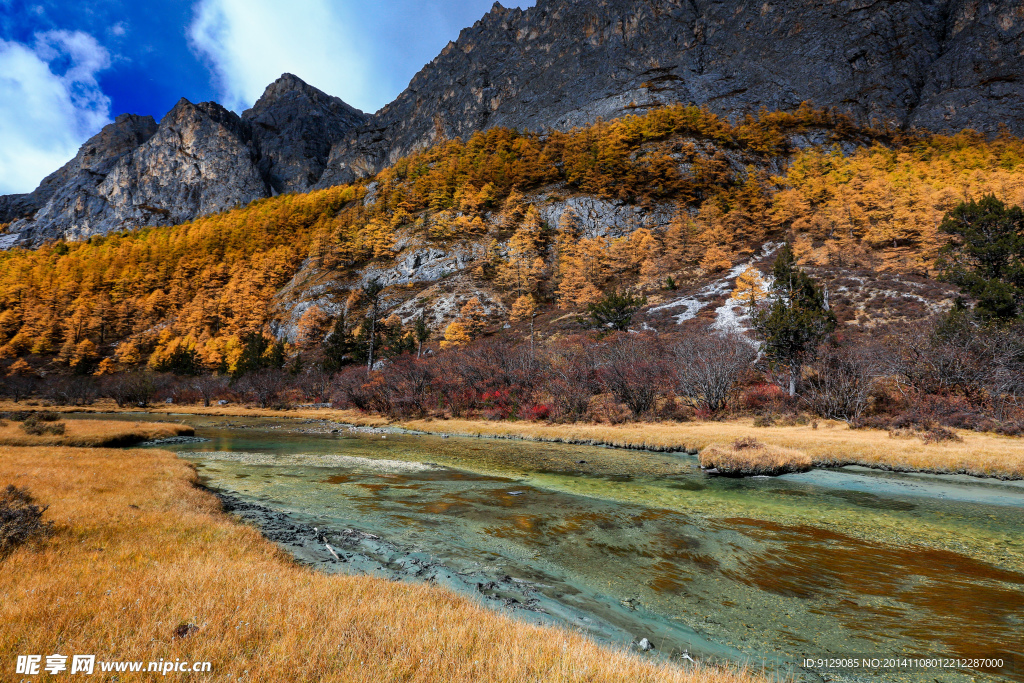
(985, 256)
(795, 319)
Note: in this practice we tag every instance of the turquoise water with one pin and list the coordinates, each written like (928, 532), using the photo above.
(641, 545)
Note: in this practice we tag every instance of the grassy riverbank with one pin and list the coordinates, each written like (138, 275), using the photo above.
(827, 443)
(140, 552)
(93, 434)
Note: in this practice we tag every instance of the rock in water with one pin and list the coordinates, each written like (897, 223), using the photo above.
(645, 645)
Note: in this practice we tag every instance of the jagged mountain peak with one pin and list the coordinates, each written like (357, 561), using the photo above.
(290, 87)
(295, 125)
(941, 65)
(186, 110)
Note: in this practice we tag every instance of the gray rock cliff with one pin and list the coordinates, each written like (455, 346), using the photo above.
(944, 65)
(941, 65)
(15, 206)
(294, 126)
(199, 160)
(80, 176)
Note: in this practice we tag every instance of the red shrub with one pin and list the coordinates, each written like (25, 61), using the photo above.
(762, 396)
(537, 412)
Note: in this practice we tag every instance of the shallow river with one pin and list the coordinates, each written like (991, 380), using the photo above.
(628, 545)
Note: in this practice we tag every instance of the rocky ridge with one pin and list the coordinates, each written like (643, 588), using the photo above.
(941, 65)
(199, 160)
(294, 126)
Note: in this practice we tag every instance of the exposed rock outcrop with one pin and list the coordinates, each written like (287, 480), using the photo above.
(15, 206)
(294, 126)
(72, 189)
(197, 161)
(943, 65)
(201, 159)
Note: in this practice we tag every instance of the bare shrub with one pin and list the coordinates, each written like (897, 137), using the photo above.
(407, 384)
(839, 383)
(263, 387)
(494, 376)
(572, 378)
(129, 389)
(959, 355)
(349, 389)
(70, 390)
(633, 371)
(939, 434)
(18, 386)
(315, 384)
(707, 364)
(20, 519)
(208, 387)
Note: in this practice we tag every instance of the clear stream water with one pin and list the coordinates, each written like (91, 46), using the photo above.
(629, 544)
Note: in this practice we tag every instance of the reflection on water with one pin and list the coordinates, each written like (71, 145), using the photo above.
(641, 541)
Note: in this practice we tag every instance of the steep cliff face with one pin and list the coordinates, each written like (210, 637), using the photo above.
(978, 79)
(942, 65)
(294, 126)
(78, 179)
(936, 64)
(135, 173)
(201, 159)
(15, 206)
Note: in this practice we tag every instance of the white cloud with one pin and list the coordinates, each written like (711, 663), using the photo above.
(50, 103)
(250, 43)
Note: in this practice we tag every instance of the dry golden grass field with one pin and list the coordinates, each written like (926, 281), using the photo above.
(93, 433)
(749, 456)
(831, 444)
(139, 551)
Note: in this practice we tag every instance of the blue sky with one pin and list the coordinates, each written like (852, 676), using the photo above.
(68, 67)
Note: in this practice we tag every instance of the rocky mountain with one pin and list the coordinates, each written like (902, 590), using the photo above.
(76, 181)
(15, 206)
(941, 65)
(200, 159)
(294, 126)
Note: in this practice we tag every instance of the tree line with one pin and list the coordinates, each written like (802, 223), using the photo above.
(964, 368)
(199, 292)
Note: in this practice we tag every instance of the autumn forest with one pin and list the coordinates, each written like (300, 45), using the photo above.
(209, 291)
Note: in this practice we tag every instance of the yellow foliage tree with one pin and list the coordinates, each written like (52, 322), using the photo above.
(473, 317)
(716, 259)
(750, 289)
(107, 366)
(455, 334)
(312, 327)
(522, 308)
